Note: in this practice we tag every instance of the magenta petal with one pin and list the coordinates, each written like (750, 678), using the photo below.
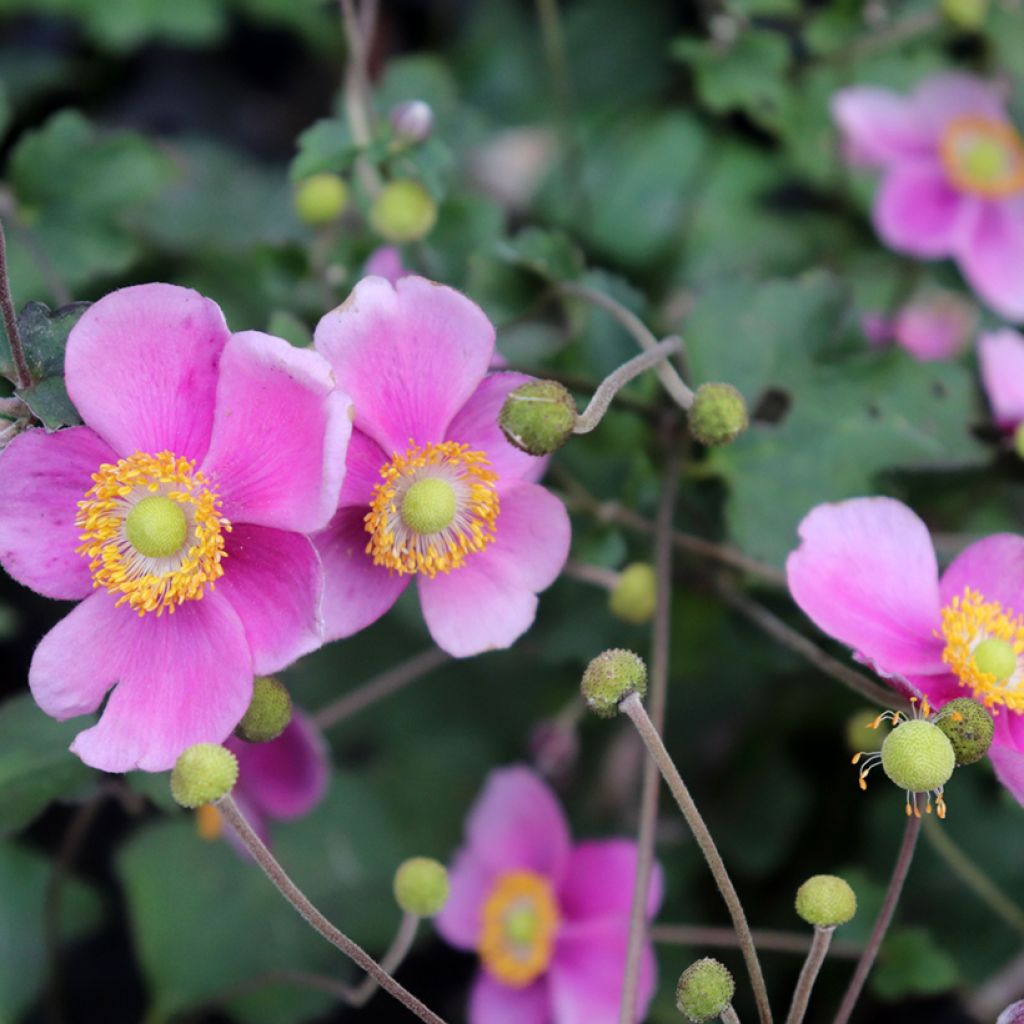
(471, 881)
(363, 463)
(936, 327)
(277, 455)
(44, 477)
(490, 602)
(918, 212)
(1009, 766)
(879, 126)
(865, 573)
(386, 262)
(598, 882)
(490, 1002)
(356, 592)
(939, 99)
(274, 582)
(410, 355)
(1001, 354)
(186, 678)
(476, 424)
(991, 256)
(142, 368)
(994, 566)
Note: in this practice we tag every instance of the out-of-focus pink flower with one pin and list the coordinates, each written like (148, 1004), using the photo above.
(1012, 1014)
(933, 327)
(385, 261)
(433, 489)
(953, 181)
(206, 457)
(549, 919)
(866, 574)
(1002, 373)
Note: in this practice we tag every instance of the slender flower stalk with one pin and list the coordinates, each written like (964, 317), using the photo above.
(358, 106)
(390, 961)
(809, 975)
(730, 1016)
(596, 575)
(291, 892)
(767, 940)
(21, 371)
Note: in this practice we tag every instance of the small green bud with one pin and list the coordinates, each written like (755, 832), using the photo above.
(705, 990)
(270, 711)
(826, 901)
(969, 727)
(403, 212)
(861, 736)
(634, 596)
(539, 417)
(421, 886)
(202, 774)
(610, 678)
(917, 756)
(718, 414)
(1018, 440)
(320, 198)
(968, 15)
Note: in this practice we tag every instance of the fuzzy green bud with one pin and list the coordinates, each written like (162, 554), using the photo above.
(918, 756)
(320, 198)
(969, 727)
(539, 417)
(270, 711)
(705, 990)
(1018, 440)
(610, 678)
(634, 596)
(421, 886)
(826, 901)
(403, 212)
(861, 733)
(718, 415)
(202, 774)
(968, 15)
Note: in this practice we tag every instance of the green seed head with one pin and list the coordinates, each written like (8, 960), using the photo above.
(826, 901)
(270, 711)
(403, 212)
(610, 678)
(969, 728)
(320, 199)
(1018, 440)
(718, 415)
(539, 417)
(421, 886)
(860, 735)
(428, 505)
(156, 527)
(202, 774)
(705, 990)
(917, 756)
(968, 15)
(635, 593)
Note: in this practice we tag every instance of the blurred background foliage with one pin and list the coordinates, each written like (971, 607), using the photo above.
(682, 161)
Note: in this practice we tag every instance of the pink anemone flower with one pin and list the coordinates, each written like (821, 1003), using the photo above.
(205, 459)
(432, 488)
(1002, 372)
(933, 327)
(866, 574)
(953, 183)
(549, 919)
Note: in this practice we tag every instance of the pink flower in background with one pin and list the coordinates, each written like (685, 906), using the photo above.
(385, 261)
(953, 181)
(1012, 1014)
(936, 326)
(432, 488)
(205, 458)
(1002, 372)
(866, 574)
(549, 919)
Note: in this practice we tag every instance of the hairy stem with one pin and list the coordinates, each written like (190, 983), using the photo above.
(391, 960)
(730, 1016)
(596, 575)
(809, 974)
(767, 940)
(357, 91)
(23, 379)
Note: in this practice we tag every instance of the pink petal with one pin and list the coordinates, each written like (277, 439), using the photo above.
(1013, 1014)
(865, 573)
(356, 592)
(471, 882)
(1001, 354)
(386, 262)
(994, 566)
(185, 678)
(938, 688)
(598, 882)
(939, 99)
(490, 1002)
(142, 367)
(918, 212)
(880, 127)
(280, 431)
(936, 327)
(991, 256)
(274, 582)
(1009, 766)
(476, 424)
(489, 602)
(410, 355)
(363, 464)
(44, 477)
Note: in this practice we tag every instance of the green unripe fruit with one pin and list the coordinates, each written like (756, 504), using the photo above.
(969, 728)
(718, 414)
(421, 886)
(403, 212)
(156, 526)
(610, 678)
(1018, 440)
(826, 901)
(320, 199)
(705, 990)
(539, 417)
(635, 594)
(860, 735)
(270, 711)
(917, 756)
(969, 15)
(203, 774)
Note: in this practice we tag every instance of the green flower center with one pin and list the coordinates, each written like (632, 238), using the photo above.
(996, 657)
(429, 505)
(521, 925)
(156, 527)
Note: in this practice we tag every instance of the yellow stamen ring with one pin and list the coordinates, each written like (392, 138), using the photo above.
(983, 156)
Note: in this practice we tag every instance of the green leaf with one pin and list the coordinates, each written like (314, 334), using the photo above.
(124, 25)
(550, 254)
(325, 146)
(288, 326)
(910, 963)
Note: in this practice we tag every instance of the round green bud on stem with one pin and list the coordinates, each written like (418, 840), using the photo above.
(826, 901)
(539, 417)
(969, 727)
(861, 736)
(156, 526)
(918, 756)
(428, 505)
(270, 711)
(968, 15)
(320, 199)
(421, 886)
(1018, 440)
(403, 212)
(718, 414)
(635, 594)
(202, 774)
(705, 990)
(610, 678)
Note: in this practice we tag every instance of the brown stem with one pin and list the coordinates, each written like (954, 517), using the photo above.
(358, 104)
(23, 379)
(729, 1016)
(595, 575)
(767, 940)
(809, 974)
(391, 960)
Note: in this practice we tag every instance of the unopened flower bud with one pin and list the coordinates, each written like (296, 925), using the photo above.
(718, 415)
(705, 990)
(969, 728)
(968, 15)
(865, 732)
(539, 417)
(826, 901)
(1013, 1014)
(421, 886)
(634, 596)
(403, 212)
(270, 711)
(918, 756)
(411, 121)
(610, 678)
(202, 774)
(320, 198)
